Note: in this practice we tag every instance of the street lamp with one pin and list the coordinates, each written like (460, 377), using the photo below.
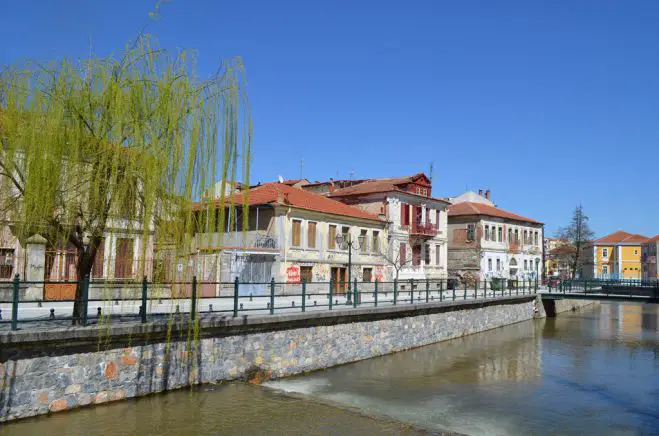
(340, 240)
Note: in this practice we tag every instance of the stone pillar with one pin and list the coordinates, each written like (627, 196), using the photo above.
(35, 249)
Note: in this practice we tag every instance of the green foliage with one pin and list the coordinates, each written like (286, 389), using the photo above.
(123, 143)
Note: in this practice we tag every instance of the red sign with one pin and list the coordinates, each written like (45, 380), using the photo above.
(293, 274)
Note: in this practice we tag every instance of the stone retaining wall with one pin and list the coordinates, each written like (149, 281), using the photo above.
(52, 371)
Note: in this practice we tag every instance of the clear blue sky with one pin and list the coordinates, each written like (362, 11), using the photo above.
(547, 104)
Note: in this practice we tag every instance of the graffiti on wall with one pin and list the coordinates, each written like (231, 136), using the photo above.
(380, 273)
(293, 274)
(321, 272)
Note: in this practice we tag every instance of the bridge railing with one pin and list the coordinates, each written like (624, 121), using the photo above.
(628, 287)
(48, 303)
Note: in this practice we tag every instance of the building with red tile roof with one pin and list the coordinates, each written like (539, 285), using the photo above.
(291, 236)
(614, 256)
(486, 242)
(417, 220)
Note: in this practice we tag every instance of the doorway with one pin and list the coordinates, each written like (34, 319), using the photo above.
(339, 277)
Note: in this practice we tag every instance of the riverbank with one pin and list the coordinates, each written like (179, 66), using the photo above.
(56, 370)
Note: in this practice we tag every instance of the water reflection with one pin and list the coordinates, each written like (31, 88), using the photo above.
(589, 372)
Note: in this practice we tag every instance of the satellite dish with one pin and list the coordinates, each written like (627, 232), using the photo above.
(281, 179)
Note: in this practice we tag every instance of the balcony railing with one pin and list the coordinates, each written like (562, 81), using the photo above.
(424, 229)
(241, 240)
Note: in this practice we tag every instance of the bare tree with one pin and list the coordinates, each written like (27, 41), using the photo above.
(578, 234)
(397, 258)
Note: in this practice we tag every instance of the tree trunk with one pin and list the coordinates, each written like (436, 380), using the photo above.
(83, 270)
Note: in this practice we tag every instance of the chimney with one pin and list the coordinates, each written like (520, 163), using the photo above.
(480, 192)
(488, 194)
(331, 188)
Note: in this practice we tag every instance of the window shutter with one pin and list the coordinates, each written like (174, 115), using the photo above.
(437, 219)
(402, 253)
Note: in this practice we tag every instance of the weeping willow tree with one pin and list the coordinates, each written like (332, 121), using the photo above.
(125, 143)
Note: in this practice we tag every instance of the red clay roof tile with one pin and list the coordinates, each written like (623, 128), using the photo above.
(470, 208)
(621, 237)
(279, 193)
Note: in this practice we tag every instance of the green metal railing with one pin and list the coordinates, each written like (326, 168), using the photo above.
(145, 301)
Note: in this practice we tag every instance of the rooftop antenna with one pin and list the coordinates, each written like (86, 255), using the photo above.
(352, 173)
(301, 167)
(432, 165)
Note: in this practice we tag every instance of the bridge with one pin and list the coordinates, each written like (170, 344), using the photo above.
(604, 290)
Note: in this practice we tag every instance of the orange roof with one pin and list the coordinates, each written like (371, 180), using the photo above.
(470, 208)
(621, 237)
(282, 194)
(372, 186)
(653, 239)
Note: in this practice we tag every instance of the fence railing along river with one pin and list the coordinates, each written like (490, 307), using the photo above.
(22, 303)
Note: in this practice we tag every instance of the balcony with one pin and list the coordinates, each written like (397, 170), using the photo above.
(425, 230)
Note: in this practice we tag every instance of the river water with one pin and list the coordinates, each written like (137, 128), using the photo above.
(589, 372)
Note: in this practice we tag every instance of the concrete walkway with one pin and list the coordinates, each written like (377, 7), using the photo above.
(31, 315)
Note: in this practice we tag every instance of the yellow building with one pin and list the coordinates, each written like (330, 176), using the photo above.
(615, 256)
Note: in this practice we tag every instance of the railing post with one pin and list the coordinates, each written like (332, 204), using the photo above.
(465, 292)
(304, 295)
(395, 290)
(143, 314)
(441, 290)
(236, 284)
(375, 294)
(411, 291)
(85, 299)
(193, 301)
(354, 293)
(427, 289)
(14, 303)
(330, 293)
(272, 296)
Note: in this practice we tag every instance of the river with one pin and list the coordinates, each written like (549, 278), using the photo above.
(589, 372)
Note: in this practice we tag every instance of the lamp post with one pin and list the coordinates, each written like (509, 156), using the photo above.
(347, 240)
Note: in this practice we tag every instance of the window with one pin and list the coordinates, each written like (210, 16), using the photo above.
(471, 230)
(424, 192)
(437, 219)
(427, 254)
(99, 261)
(6, 263)
(402, 254)
(510, 236)
(498, 264)
(297, 224)
(306, 273)
(635, 252)
(516, 236)
(489, 264)
(605, 269)
(605, 253)
(367, 274)
(331, 235)
(376, 242)
(346, 235)
(526, 237)
(500, 234)
(416, 255)
(437, 254)
(311, 235)
(487, 233)
(364, 246)
(526, 265)
(123, 263)
(536, 238)
(404, 214)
